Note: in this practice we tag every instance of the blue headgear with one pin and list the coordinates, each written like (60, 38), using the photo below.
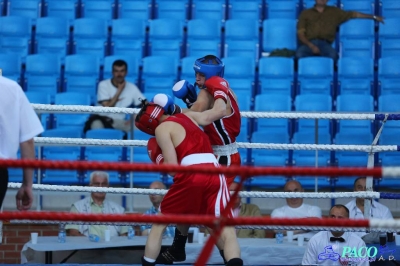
(208, 68)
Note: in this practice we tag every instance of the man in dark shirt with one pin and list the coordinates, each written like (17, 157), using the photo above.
(317, 26)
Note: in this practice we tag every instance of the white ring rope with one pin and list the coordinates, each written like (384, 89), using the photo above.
(46, 108)
(244, 194)
(45, 141)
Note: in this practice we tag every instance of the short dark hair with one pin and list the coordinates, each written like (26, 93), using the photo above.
(358, 178)
(120, 63)
(341, 206)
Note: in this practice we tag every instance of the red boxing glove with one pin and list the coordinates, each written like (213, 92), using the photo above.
(154, 151)
(217, 87)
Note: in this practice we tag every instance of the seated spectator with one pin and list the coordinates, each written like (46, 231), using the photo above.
(115, 92)
(356, 208)
(327, 247)
(96, 203)
(156, 200)
(243, 209)
(316, 28)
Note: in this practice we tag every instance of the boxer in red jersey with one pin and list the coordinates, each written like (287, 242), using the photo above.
(179, 140)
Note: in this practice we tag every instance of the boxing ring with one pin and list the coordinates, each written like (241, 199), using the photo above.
(216, 223)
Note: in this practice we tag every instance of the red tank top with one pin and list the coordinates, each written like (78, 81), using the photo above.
(225, 130)
(195, 140)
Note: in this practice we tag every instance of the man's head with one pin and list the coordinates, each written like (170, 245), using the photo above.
(233, 187)
(99, 179)
(360, 184)
(339, 211)
(156, 199)
(321, 3)
(119, 71)
(207, 67)
(293, 186)
(149, 117)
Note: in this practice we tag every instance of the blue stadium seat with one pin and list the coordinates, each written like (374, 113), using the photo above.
(90, 37)
(166, 38)
(178, 9)
(355, 103)
(41, 98)
(389, 8)
(43, 74)
(10, 65)
(388, 103)
(357, 38)
(273, 103)
(138, 9)
(276, 75)
(355, 75)
(16, 174)
(203, 37)
(31, 9)
(242, 38)
(75, 121)
(351, 158)
(389, 158)
(187, 72)
(240, 9)
(209, 9)
(244, 101)
(133, 67)
(82, 74)
(313, 103)
(279, 34)
(101, 9)
(389, 75)
(281, 9)
(15, 35)
(52, 36)
(128, 37)
(315, 75)
(310, 3)
(67, 9)
(389, 38)
(159, 74)
(241, 76)
(365, 6)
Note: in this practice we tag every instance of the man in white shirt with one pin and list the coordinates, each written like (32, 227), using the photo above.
(335, 247)
(117, 92)
(356, 208)
(19, 124)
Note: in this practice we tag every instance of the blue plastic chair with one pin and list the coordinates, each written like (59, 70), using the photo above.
(388, 104)
(41, 98)
(389, 8)
(15, 36)
(166, 38)
(357, 38)
(10, 65)
(276, 75)
(281, 9)
(241, 76)
(242, 38)
(52, 36)
(138, 9)
(25, 8)
(356, 75)
(67, 9)
(389, 158)
(350, 158)
(278, 34)
(209, 9)
(203, 37)
(366, 7)
(310, 3)
(82, 74)
(389, 75)
(159, 74)
(133, 67)
(128, 37)
(90, 37)
(187, 72)
(172, 9)
(389, 38)
(239, 9)
(101, 9)
(315, 75)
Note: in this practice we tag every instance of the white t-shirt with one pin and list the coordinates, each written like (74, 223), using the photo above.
(130, 95)
(321, 251)
(18, 120)
(303, 211)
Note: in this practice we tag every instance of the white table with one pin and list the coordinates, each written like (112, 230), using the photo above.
(254, 251)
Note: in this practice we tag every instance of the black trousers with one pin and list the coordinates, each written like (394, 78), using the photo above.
(3, 184)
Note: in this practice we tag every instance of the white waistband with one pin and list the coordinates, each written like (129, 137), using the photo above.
(225, 150)
(198, 158)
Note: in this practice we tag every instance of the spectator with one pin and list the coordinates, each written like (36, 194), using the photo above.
(356, 208)
(116, 92)
(327, 247)
(244, 209)
(156, 200)
(96, 203)
(316, 28)
(19, 124)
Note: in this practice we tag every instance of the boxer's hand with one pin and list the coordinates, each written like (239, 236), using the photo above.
(154, 151)
(167, 103)
(185, 91)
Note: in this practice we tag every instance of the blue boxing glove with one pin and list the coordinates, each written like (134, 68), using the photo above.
(185, 91)
(167, 103)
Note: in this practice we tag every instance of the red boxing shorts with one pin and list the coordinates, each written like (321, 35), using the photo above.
(233, 159)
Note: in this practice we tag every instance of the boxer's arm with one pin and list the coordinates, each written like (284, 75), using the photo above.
(207, 117)
(203, 102)
(164, 140)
